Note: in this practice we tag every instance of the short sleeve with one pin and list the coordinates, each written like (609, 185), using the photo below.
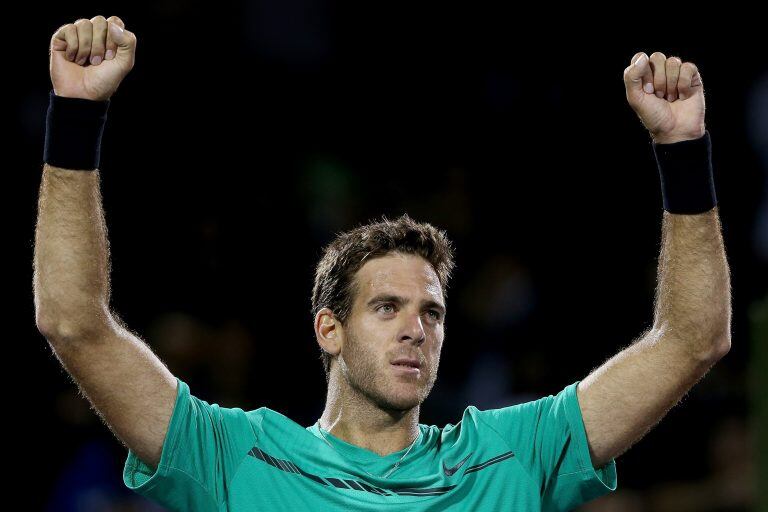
(549, 439)
(203, 448)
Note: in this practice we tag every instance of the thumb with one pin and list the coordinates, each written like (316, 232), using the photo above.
(58, 45)
(125, 41)
(637, 74)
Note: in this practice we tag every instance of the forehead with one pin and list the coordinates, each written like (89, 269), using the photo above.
(400, 274)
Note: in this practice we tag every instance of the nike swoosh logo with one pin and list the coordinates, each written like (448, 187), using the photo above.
(450, 471)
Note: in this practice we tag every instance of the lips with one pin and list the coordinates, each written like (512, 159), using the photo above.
(405, 361)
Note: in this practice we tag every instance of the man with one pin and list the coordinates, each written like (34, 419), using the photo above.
(379, 316)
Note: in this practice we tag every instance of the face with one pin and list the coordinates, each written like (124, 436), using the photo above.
(398, 312)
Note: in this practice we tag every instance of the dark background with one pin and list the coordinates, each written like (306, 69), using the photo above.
(249, 133)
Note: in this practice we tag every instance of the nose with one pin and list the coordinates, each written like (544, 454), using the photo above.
(413, 330)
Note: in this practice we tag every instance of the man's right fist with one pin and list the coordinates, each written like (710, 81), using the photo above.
(89, 58)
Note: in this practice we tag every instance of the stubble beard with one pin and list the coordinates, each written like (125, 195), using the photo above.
(364, 375)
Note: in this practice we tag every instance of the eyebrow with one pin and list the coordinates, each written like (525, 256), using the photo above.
(386, 297)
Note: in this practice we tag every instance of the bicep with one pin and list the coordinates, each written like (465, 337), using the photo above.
(126, 383)
(625, 397)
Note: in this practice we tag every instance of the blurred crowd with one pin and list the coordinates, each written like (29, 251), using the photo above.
(215, 236)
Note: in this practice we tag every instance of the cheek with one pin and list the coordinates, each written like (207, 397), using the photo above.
(376, 334)
(437, 337)
(436, 353)
(363, 344)
(434, 349)
(375, 325)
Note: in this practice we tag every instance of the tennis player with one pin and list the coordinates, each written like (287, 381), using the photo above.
(379, 310)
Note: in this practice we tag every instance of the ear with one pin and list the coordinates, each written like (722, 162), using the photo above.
(328, 331)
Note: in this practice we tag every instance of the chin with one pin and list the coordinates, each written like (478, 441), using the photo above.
(401, 402)
(413, 397)
(404, 396)
(393, 392)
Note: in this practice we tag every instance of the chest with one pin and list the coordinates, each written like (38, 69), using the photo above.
(482, 481)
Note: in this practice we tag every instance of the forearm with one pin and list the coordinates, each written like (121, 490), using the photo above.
(633, 390)
(693, 295)
(71, 256)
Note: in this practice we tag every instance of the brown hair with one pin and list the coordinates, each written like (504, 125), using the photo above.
(341, 259)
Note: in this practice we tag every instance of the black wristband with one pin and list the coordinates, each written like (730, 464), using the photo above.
(685, 169)
(73, 130)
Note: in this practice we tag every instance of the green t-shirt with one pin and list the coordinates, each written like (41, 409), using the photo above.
(527, 457)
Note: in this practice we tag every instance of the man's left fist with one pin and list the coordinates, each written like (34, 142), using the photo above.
(667, 95)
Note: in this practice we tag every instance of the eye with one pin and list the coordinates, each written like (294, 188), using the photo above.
(388, 305)
(435, 314)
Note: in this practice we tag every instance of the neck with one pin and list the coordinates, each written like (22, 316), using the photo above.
(356, 420)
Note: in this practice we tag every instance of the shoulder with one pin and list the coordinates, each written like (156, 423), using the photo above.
(274, 424)
(531, 411)
(519, 423)
(476, 425)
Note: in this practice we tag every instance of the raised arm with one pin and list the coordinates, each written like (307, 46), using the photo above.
(125, 382)
(631, 392)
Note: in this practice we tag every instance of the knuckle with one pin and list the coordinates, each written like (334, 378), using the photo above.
(82, 21)
(98, 19)
(658, 55)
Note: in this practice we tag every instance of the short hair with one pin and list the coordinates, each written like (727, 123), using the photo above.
(334, 286)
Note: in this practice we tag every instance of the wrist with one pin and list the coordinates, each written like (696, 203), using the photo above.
(73, 132)
(685, 169)
(671, 138)
(79, 95)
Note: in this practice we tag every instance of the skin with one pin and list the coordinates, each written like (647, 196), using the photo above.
(105, 44)
(368, 404)
(129, 387)
(691, 331)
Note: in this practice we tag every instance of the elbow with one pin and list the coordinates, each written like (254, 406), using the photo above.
(705, 346)
(67, 332)
(716, 349)
(72, 327)
(721, 339)
(47, 324)
(722, 346)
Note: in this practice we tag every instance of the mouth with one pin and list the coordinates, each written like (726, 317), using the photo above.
(405, 366)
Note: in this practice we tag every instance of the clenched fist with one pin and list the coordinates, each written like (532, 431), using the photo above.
(89, 58)
(667, 95)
